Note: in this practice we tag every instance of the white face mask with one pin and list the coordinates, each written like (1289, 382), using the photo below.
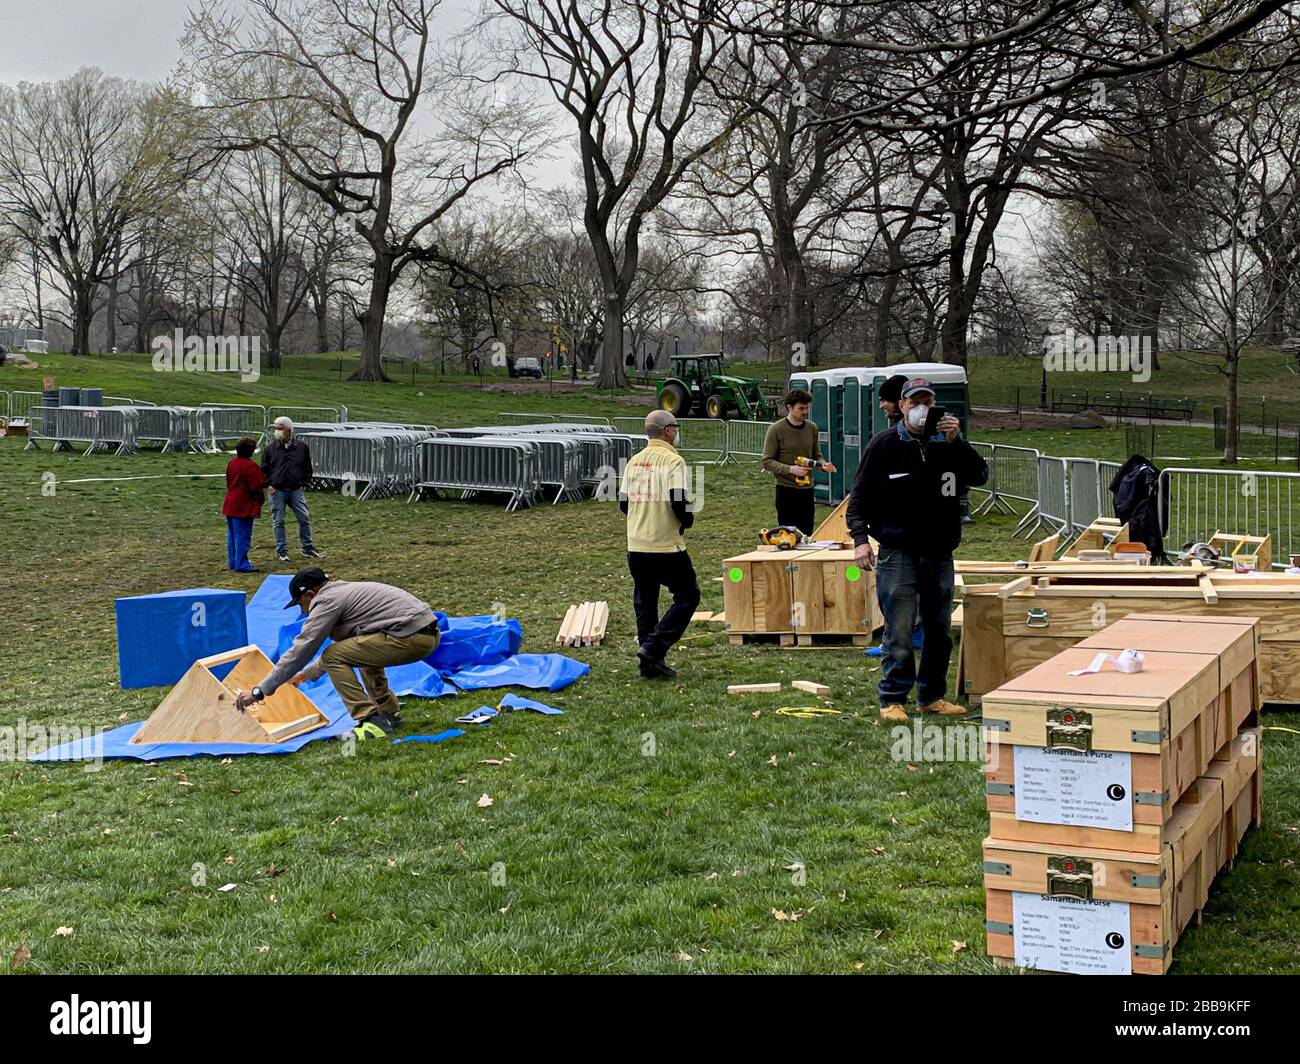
(916, 417)
(280, 435)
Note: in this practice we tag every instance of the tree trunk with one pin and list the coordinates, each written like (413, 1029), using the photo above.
(612, 374)
(884, 312)
(1230, 441)
(83, 310)
(371, 366)
(110, 340)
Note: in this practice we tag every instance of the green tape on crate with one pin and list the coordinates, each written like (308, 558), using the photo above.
(736, 574)
(852, 574)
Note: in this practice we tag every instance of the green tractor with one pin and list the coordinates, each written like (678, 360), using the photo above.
(698, 385)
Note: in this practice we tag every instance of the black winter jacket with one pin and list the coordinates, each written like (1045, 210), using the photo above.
(907, 494)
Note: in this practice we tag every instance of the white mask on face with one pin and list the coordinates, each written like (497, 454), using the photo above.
(916, 417)
(280, 435)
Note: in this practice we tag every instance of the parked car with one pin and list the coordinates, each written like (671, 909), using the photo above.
(528, 367)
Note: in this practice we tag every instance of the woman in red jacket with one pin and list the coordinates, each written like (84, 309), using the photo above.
(243, 503)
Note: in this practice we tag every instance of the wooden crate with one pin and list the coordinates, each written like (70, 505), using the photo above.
(799, 592)
(1100, 760)
(1002, 639)
(1164, 893)
(1096, 911)
(1239, 767)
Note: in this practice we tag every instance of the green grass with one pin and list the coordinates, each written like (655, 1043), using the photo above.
(613, 860)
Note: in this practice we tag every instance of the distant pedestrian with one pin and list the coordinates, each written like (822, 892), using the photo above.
(649, 363)
(242, 505)
(476, 366)
(287, 465)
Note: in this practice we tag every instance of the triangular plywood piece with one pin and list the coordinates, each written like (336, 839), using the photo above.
(835, 528)
(201, 708)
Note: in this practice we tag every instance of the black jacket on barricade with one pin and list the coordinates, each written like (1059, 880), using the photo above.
(907, 494)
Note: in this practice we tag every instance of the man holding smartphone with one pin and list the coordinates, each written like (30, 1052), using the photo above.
(907, 497)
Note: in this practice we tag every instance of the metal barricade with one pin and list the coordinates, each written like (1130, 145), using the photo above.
(126, 400)
(99, 427)
(21, 402)
(1105, 474)
(381, 459)
(629, 424)
(327, 414)
(172, 426)
(1084, 492)
(558, 466)
(1053, 507)
(703, 440)
(1013, 474)
(526, 419)
(6, 400)
(472, 466)
(1205, 501)
(219, 422)
(746, 438)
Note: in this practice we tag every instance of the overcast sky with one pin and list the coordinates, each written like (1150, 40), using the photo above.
(48, 40)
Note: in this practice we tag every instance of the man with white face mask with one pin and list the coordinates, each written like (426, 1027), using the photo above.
(286, 464)
(907, 496)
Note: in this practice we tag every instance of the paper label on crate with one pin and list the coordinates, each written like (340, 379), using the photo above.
(1071, 935)
(1071, 787)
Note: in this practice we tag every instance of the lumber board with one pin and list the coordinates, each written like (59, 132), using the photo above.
(811, 686)
(836, 524)
(753, 688)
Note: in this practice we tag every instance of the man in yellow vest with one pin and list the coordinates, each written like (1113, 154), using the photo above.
(656, 499)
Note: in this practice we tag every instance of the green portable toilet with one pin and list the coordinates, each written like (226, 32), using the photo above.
(951, 391)
(846, 442)
(825, 411)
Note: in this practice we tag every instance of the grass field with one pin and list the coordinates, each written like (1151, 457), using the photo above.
(652, 828)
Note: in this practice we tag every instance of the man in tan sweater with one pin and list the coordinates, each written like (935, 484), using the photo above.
(373, 626)
(792, 438)
(655, 496)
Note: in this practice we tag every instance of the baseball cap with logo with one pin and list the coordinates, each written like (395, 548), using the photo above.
(307, 580)
(916, 386)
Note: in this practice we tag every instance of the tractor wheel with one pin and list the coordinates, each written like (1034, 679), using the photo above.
(716, 406)
(675, 399)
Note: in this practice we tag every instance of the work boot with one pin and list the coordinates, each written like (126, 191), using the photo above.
(943, 708)
(894, 713)
(380, 722)
(656, 670)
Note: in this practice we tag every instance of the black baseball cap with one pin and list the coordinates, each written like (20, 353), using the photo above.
(892, 390)
(307, 580)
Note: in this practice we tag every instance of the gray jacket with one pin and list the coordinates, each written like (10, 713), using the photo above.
(344, 608)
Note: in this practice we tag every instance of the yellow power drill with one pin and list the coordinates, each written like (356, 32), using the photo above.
(809, 464)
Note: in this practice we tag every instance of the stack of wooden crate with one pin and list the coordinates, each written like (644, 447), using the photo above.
(1115, 798)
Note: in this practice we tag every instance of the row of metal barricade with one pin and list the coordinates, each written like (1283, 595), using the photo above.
(527, 463)
(1063, 494)
(125, 426)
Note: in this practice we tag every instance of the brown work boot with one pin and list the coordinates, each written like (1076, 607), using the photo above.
(944, 708)
(894, 713)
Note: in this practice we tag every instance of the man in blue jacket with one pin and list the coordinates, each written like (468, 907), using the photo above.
(907, 496)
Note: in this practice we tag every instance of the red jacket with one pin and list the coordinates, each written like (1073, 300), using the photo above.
(244, 482)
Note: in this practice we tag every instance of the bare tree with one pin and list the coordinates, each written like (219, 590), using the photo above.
(339, 90)
(632, 75)
(79, 161)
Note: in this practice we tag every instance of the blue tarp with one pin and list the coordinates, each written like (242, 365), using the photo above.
(546, 672)
(484, 645)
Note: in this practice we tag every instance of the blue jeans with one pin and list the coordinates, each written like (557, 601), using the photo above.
(239, 537)
(296, 500)
(908, 585)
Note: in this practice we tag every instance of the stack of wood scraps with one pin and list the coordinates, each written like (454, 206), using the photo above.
(584, 625)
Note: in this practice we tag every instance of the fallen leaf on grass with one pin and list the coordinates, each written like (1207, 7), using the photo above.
(756, 714)
(877, 849)
(230, 858)
(21, 956)
(796, 867)
(391, 863)
(64, 932)
(911, 768)
(227, 888)
(680, 955)
(785, 917)
(227, 761)
(957, 947)
(270, 871)
(712, 875)
(263, 949)
(491, 761)
(772, 760)
(484, 801)
(859, 965)
(504, 909)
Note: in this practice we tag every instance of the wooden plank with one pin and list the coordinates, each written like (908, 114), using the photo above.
(983, 644)
(1045, 549)
(1208, 590)
(1011, 587)
(836, 525)
(564, 626)
(811, 687)
(753, 688)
